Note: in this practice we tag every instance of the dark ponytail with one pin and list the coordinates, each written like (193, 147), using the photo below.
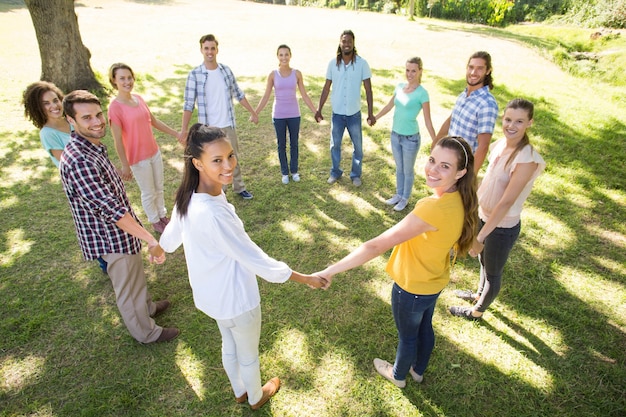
(198, 136)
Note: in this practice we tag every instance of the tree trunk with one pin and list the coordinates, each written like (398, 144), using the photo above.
(64, 58)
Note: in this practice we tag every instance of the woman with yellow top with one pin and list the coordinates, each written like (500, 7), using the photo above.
(420, 261)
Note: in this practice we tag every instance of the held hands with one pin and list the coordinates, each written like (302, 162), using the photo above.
(157, 254)
(318, 116)
(327, 277)
(125, 173)
(315, 281)
(371, 120)
(182, 138)
(254, 118)
(476, 248)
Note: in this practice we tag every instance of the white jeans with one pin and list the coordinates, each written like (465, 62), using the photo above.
(240, 353)
(149, 176)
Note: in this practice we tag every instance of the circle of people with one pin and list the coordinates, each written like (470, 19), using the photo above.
(223, 261)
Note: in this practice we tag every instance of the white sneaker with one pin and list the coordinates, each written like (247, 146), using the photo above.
(393, 200)
(285, 179)
(416, 377)
(401, 204)
(296, 177)
(385, 369)
(332, 180)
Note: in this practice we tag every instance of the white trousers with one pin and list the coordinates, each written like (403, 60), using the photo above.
(149, 176)
(240, 353)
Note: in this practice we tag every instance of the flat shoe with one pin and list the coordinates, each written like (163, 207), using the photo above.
(466, 295)
(269, 389)
(242, 398)
(465, 312)
(416, 377)
(385, 369)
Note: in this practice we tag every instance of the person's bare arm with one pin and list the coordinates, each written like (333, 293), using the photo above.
(116, 131)
(484, 139)
(406, 229)
(520, 177)
(367, 83)
(323, 98)
(305, 97)
(128, 224)
(266, 96)
(386, 109)
(443, 131)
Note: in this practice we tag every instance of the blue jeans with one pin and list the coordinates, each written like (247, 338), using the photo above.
(413, 315)
(498, 245)
(405, 149)
(339, 124)
(281, 126)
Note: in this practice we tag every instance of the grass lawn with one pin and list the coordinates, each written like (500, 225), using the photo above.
(553, 344)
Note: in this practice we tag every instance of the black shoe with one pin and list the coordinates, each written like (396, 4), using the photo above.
(465, 312)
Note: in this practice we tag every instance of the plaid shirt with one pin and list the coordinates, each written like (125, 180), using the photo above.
(473, 115)
(97, 199)
(195, 91)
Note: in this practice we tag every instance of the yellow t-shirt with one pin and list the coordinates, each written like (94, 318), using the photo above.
(421, 265)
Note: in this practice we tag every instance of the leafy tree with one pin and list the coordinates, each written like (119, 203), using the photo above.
(64, 58)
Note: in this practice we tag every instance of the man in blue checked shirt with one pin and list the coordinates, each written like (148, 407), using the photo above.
(106, 224)
(214, 87)
(474, 114)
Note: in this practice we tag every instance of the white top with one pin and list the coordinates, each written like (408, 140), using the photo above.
(497, 179)
(222, 260)
(216, 99)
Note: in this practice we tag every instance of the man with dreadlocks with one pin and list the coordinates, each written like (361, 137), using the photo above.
(347, 71)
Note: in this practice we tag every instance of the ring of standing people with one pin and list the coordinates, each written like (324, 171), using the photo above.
(458, 218)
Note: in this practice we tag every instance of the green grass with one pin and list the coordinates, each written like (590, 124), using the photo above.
(553, 344)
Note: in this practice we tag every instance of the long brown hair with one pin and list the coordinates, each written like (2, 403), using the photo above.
(198, 136)
(529, 107)
(487, 58)
(466, 185)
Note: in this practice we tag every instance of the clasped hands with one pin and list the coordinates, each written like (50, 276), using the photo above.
(157, 254)
(320, 279)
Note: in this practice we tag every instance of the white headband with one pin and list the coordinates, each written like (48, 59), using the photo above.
(462, 147)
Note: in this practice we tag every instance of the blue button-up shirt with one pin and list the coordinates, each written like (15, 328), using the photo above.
(346, 89)
(473, 115)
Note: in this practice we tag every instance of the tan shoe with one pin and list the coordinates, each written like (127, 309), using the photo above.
(242, 398)
(269, 389)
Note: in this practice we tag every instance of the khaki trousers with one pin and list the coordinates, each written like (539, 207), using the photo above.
(131, 293)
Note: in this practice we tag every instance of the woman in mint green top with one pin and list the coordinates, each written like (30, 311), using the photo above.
(409, 99)
(43, 106)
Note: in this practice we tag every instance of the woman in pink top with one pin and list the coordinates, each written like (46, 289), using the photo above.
(131, 125)
(513, 167)
(286, 111)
